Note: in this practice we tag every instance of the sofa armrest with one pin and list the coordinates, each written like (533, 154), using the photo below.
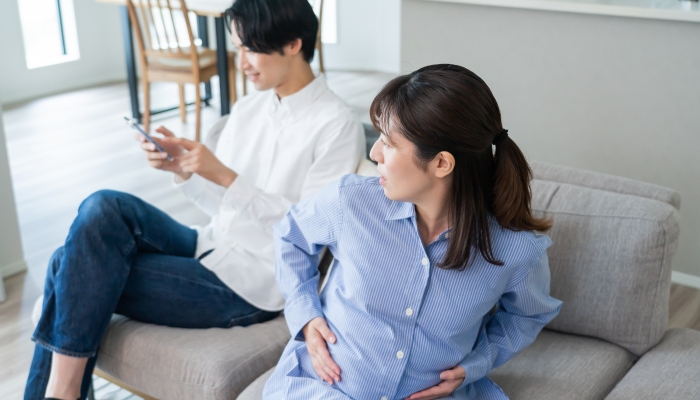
(669, 371)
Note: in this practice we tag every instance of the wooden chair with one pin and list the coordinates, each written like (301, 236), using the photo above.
(319, 44)
(167, 55)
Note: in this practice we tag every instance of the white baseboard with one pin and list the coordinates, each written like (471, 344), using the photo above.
(681, 278)
(14, 268)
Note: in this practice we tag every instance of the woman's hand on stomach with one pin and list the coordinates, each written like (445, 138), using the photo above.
(451, 379)
(317, 333)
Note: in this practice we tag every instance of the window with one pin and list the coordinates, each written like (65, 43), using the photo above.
(49, 32)
(329, 28)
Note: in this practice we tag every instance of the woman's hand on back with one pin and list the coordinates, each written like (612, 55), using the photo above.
(451, 379)
(316, 334)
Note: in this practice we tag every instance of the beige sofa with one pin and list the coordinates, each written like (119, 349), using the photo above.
(614, 240)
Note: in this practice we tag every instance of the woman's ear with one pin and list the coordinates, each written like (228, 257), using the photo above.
(445, 164)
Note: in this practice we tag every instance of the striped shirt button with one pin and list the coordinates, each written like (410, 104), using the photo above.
(399, 354)
(425, 260)
(447, 235)
(409, 311)
(384, 398)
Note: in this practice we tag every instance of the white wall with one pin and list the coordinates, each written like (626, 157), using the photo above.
(609, 94)
(369, 36)
(101, 54)
(11, 256)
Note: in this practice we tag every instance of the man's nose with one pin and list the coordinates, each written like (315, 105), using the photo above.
(242, 60)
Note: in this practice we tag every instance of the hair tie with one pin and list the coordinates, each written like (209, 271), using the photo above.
(500, 137)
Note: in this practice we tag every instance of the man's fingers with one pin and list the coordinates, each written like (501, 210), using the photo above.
(187, 144)
(164, 131)
(156, 155)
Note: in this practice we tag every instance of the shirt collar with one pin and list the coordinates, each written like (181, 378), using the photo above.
(298, 101)
(400, 210)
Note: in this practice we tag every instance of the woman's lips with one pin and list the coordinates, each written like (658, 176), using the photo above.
(382, 180)
(253, 77)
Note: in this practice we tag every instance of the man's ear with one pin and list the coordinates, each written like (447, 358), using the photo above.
(445, 164)
(293, 47)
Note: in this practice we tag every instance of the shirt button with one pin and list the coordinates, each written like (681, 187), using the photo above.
(384, 398)
(399, 354)
(447, 235)
(425, 260)
(409, 311)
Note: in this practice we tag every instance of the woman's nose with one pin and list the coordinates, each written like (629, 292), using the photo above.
(375, 153)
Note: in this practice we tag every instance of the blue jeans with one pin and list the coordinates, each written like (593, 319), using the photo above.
(124, 256)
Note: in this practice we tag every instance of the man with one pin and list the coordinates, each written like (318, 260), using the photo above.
(124, 256)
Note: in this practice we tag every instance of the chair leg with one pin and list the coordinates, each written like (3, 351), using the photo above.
(232, 77)
(198, 111)
(319, 47)
(91, 391)
(146, 104)
(245, 83)
(183, 109)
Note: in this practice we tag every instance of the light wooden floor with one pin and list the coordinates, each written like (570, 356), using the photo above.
(64, 147)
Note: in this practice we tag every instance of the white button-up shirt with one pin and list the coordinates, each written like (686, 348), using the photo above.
(283, 151)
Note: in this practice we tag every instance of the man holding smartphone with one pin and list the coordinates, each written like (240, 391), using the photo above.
(125, 256)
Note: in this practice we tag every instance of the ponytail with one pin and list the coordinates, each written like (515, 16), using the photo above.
(511, 189)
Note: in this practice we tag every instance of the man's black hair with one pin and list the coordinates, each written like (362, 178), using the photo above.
(266, 26)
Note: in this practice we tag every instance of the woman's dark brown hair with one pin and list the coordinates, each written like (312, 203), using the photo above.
(449, 108)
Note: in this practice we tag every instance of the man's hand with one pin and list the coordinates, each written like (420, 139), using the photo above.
(157, 159)
(201, 161)
(317, 333)
(451, 379)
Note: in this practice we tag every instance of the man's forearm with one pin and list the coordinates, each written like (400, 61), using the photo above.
(227, 178)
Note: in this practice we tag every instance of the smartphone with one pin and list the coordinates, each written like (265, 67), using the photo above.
(132, 123)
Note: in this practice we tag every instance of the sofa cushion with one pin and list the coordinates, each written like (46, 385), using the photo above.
(610, 262)
(255, 390)
(669, 371)
(172, 363)
(556, 366)
(563, 366)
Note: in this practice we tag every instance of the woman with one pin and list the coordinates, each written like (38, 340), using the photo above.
(422, 255)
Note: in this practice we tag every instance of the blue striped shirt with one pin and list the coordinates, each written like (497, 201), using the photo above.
(399, 319)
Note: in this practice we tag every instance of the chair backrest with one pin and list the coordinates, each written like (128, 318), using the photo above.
(162, 29)
(611, 255)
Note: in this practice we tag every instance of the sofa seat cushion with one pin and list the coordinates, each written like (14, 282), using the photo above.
(563, 366)
(669, 371)
(255, 390)
(172, 363)
(556, 366)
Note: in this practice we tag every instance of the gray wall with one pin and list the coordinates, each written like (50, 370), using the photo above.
(101, 54)
(609, 94)
(368, 36)
(11, 257)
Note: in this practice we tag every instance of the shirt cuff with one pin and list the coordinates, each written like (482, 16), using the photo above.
(191, 186)
(476, 366)
(299, 312)
(240, 194)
